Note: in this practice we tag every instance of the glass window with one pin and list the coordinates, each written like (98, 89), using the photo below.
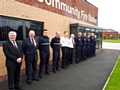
(81, 29)
(7, 25)
(20, 26)
(36, 26)
(87, 30)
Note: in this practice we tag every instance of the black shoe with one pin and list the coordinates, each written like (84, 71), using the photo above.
(35, 79)
(58, 69)
(77, 63)
(66, 66)
(54, 71)
(29, 82)
(11, 89)
(19, 88)
(63, 68)
(48, 73)
(41, 76)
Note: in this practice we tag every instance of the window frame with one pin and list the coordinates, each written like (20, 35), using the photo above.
(23, 24)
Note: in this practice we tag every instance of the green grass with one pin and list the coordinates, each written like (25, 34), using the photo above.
(112, 40)
(114, 82)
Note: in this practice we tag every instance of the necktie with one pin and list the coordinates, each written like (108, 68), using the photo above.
(33, 43)
(16, 48)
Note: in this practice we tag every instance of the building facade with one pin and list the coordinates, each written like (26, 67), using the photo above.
(54, 15)
(109, 34)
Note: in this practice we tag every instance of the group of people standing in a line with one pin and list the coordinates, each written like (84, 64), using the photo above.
(85, 47)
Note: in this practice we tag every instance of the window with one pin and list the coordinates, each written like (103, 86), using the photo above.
(20, 26)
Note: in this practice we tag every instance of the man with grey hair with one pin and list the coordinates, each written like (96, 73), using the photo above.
(30, 46)
(13, 53)
(55, 44)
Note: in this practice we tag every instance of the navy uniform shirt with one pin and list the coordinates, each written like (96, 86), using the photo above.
(88, 41)
(84, 41)
(92, 40)
(55, 44)
(78, 41)
(44, 43)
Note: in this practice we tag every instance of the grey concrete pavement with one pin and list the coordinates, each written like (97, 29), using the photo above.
(115, 46)
(89, 75)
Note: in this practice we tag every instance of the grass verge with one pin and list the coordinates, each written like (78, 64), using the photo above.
(114, 81)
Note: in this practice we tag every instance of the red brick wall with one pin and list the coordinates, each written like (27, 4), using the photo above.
(107, 35)
(80, 4)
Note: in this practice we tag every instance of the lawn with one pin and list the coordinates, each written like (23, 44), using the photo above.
(112, 40)
(114, 82)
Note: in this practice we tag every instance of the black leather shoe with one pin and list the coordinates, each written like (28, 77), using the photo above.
(35, 79)
(19, 88)
(77, 63)
(54, 71)
(11, 89)
(66, 66)
(48, 73)
(63, 68)
(41, 76)
(29, 82)
(58, 69)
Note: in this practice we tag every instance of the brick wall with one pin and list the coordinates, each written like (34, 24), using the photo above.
(52, 21)
(109, 35)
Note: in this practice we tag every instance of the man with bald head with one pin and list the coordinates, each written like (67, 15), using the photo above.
(30, 46)
(13, 53)
(78, 45)
(92, 42)
(55, 44)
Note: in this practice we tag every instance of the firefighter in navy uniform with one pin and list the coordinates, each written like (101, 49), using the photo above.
(84, 47)
(88, 46)
(55, 44)
(44, 43)
(92, 44)
(95, 40)
(78, 46)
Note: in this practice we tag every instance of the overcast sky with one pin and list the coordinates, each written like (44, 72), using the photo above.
(109, 13)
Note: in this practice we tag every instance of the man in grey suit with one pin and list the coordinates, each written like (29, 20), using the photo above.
(30, 46)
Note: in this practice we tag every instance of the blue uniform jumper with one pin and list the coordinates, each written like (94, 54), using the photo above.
(78, 42)
(44, 43)
(55, 44)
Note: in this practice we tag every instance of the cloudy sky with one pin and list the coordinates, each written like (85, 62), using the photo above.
(109, 13)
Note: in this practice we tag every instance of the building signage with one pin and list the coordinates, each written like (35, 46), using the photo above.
(80, 14)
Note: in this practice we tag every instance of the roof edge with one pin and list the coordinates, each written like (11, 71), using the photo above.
(90, 3)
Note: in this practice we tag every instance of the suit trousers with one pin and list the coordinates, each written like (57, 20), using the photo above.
(64, 56)
(13, 76)
(31, 69)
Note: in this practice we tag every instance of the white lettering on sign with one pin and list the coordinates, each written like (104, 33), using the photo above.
(71, 10)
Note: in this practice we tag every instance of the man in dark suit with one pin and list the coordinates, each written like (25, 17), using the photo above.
(30, 46)
(13, 53)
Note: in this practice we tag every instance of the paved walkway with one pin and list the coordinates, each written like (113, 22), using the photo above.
(88, 75)
(115, 46)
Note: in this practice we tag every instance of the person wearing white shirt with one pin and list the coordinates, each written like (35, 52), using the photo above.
(64, 44)
(71, 47)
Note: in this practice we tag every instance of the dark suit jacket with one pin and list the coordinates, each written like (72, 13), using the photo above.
(12, 54)
(29, 50)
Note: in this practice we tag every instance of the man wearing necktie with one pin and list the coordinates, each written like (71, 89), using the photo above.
(30, 46)
(13, 53)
